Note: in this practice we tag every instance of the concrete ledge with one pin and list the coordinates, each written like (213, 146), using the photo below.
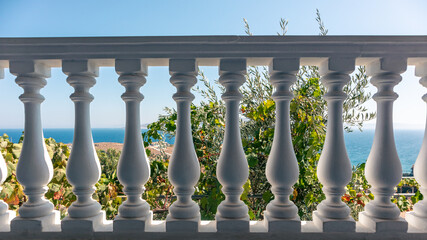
(258, 50)
(156, 231)
(208, 236)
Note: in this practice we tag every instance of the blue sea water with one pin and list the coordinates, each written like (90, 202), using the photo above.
(65, 135)
(408, 142)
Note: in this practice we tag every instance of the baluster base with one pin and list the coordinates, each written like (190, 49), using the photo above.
(182, 225)
(41, 224)
(333, 225)
(383, 225)
(5, 220)
(232, 225)
(122, 224)
(418, 222)
(83, 225)
(282, 225)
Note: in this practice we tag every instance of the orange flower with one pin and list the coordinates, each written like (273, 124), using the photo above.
(346, 198)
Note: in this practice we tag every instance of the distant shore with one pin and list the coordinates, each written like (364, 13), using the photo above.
(154, 148)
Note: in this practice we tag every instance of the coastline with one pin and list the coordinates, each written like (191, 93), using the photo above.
(154, 148)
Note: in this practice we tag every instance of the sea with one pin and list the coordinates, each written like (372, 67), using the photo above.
(358, 143)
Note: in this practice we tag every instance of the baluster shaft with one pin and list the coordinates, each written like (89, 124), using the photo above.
(418, 217)
(282, 171)
(133, 168)
(383, 168)
(83, 168)
(184, 169)
(334, 168)
(34, 170)
(6, 215)
(232, 168)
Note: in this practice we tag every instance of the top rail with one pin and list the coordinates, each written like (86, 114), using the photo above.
(258, 50)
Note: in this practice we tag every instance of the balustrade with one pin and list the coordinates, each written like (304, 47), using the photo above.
(30, 60)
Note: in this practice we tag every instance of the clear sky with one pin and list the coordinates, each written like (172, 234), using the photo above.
(53, 18)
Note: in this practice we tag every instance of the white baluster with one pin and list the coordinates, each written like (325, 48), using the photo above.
(418, 217)
(34, 170)
(133, 169)
(232, 169)
(6, 215)
(334, 167)
(383, 168)
(282, 171)
(83, 169)
(184, 169)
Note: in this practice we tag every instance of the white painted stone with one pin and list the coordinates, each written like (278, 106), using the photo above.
(258, 50)
(334, 167)
(333, 225)
(282, 225)
(133, 169)
(183, 225)
(232, 169)
(282, 170)
(418, 217)
(184, 168)
(6, 219)
(383, 168)
(232, 225)
(83, 168)
(5, 215)
(125, 225)
(39, 224)
(34, 170)
(383, 225)
(83, 225)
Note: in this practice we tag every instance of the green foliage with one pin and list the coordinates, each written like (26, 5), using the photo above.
(12, 192)
(357, 194)
(158, 191)
(109, 191)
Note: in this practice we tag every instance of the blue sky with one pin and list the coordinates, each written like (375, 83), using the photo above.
(53, 18)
